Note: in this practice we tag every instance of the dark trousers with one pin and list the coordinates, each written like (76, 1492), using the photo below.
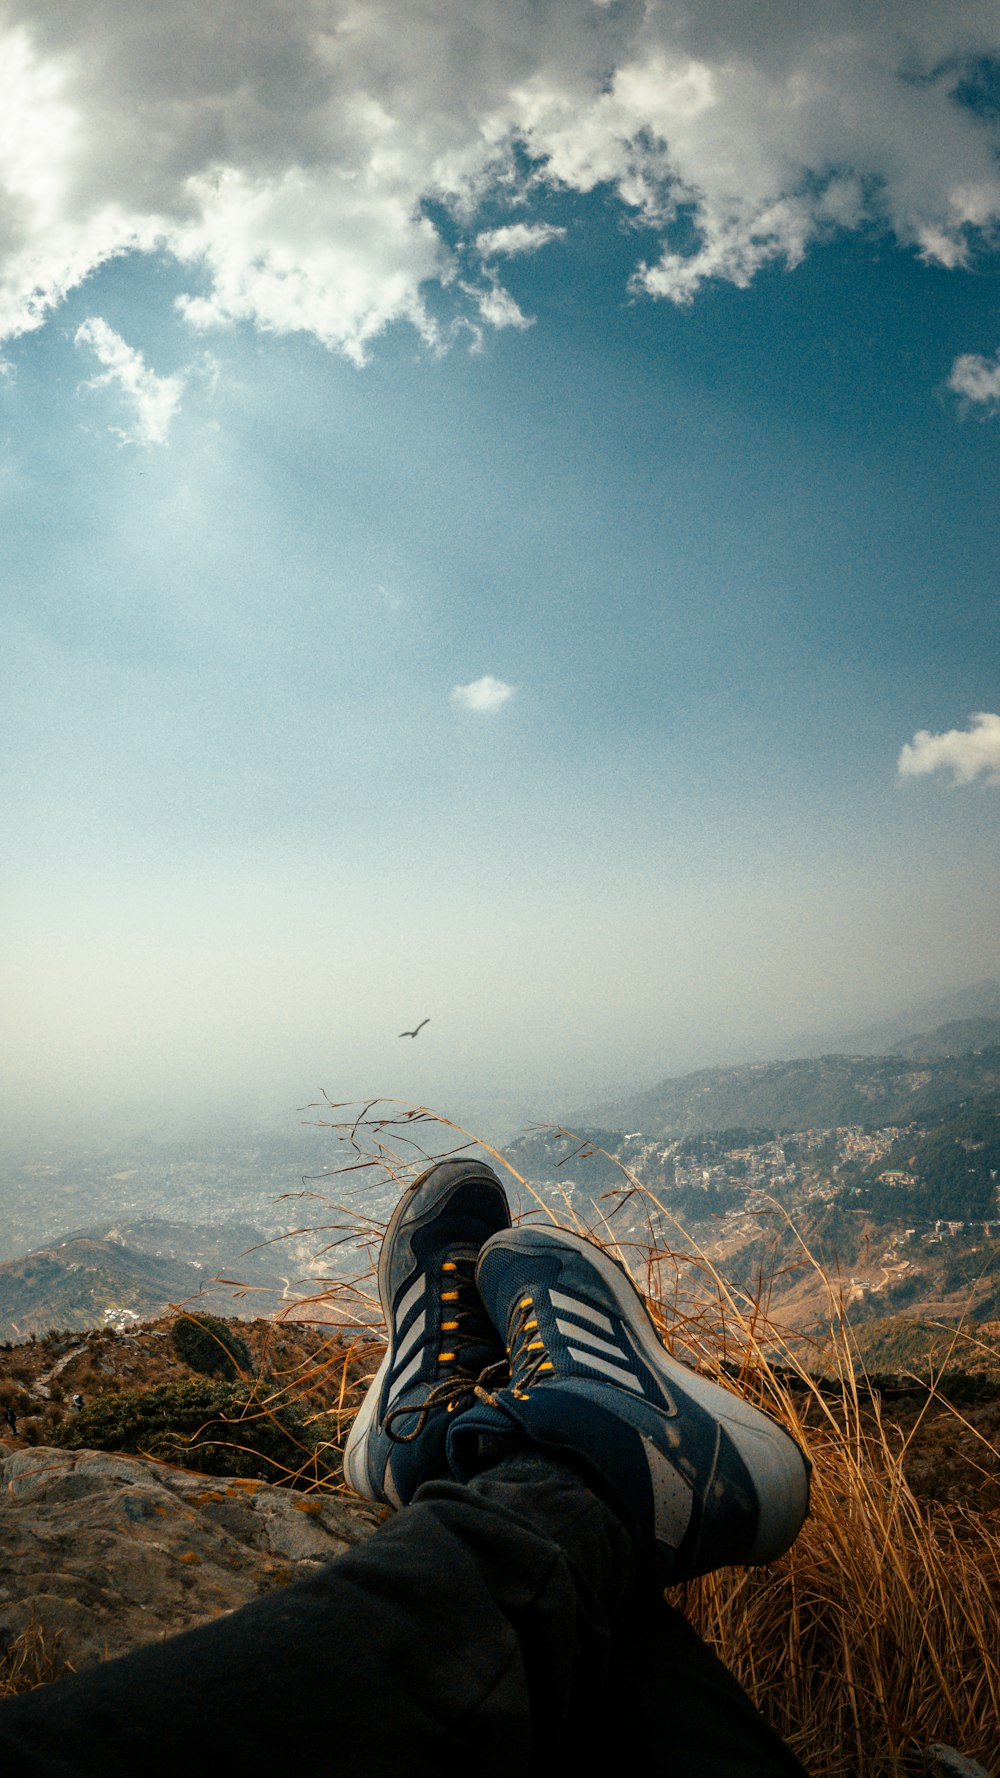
(486, 1629)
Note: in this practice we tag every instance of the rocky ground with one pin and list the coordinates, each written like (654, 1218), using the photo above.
(946, 1438)
(100, 1553)
(950, 1446)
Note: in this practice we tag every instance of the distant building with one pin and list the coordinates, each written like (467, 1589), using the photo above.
(121, 1319)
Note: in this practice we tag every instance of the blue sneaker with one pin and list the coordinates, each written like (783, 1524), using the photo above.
(440, 1339)
(701, 1478)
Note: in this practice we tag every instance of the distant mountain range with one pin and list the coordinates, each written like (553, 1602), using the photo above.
(144, 1266)
(932, 1071)
(958, 1037)
(978, 1000)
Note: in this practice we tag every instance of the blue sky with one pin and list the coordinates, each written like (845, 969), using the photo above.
(498, 526)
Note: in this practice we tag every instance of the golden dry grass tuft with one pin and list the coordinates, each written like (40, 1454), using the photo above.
(30, 1660)
(878, 1632)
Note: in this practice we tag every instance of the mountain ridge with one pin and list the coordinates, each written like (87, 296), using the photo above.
(809, 1092)
(74, 1281)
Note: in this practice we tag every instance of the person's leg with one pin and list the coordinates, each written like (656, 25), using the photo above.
(687, 1716)
(485, 1624)
(470, 1630)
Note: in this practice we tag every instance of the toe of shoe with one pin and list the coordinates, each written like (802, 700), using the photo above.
(781, 1479)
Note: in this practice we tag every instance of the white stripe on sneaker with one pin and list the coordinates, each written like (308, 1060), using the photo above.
(412, 1296)
(607, 1370)
(572, 1332)
(399, 1383)
(410, 1339)
(559, 1301)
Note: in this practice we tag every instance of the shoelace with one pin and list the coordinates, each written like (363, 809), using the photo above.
(527, 1351)
(464, 1327)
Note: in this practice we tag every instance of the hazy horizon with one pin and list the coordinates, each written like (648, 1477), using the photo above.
(499, 527)
(494, 1115)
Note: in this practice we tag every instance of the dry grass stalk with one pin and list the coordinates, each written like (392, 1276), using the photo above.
(31, 1659)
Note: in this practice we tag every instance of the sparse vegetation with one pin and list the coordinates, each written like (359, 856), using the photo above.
(216, 1428)
(209, 1346)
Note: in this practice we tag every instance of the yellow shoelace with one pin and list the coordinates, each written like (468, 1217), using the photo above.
(527, 1353)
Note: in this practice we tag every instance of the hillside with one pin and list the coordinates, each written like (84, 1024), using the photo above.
(142, 1267)
(977, 1000)
(818, 1093)
(949, 1171)
(902, 1221)
(957, 1037)
(314, 1367)
(326, 1375)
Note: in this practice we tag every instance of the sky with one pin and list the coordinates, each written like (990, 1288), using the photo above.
(498, 516)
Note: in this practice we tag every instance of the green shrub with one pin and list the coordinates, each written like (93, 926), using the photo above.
(209, 1346)
(216, 1428)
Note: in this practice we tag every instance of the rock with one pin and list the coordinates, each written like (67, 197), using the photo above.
(106, 1552)
(939, 1761)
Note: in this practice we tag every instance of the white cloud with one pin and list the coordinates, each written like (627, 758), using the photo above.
(976, 379)
(296, 155)
(311, 253)
(484, 697)
(153, 400)
(517, 237)
(496, 305)
(966, 753)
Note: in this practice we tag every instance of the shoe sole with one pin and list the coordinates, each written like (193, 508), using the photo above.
(783, 1484)
(453, 1174)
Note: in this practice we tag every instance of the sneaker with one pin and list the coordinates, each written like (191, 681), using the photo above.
(701, 1478)
(440, 1340)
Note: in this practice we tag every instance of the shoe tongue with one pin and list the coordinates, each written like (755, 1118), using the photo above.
(480, 1350)
(480, 1437)
(463, 1250)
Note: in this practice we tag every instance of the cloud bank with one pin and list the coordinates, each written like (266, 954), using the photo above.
(966, 753)
(484, 697)
(319, 168)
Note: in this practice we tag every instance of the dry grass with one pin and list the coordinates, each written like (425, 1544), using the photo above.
(32, 1659)
(879, 1630)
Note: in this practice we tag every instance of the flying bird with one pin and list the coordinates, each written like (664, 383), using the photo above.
(419, 1028)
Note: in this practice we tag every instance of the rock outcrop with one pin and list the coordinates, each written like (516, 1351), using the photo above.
(104, 1552)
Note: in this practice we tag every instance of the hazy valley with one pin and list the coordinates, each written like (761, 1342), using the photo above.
(882, 1170)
